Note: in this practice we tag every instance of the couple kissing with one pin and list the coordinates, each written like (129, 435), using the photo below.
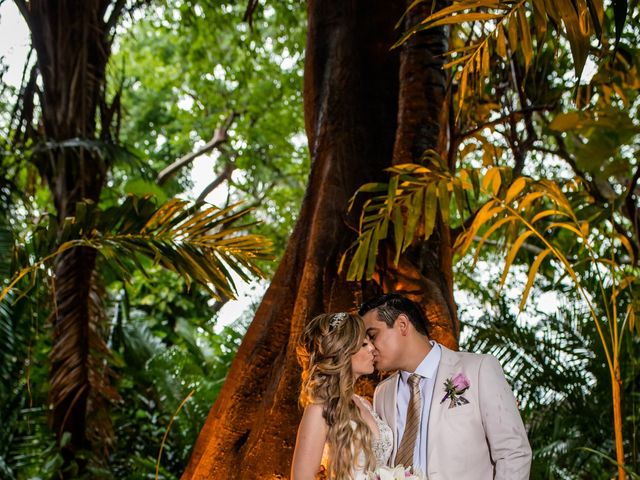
(445, 415)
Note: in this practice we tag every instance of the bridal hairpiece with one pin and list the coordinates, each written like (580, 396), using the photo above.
(337, 319)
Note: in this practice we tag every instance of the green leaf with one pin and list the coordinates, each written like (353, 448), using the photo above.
(392, 191)
(565, 122)
(139, 188)
(371, 258)
(398, 231)
(430, 205)
(357, 265)
(413, 215)
(459, 195)
(443, 200)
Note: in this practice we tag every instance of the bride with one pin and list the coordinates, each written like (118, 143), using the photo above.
(339, 435)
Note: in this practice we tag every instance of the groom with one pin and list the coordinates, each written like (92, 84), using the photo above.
(453, 414)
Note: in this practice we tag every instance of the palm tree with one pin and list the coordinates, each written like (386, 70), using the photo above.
(67, 127)
(204, 245)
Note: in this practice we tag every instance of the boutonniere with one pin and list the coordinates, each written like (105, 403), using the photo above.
(454, 388)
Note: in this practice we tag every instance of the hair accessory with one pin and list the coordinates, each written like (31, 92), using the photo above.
(337, 319)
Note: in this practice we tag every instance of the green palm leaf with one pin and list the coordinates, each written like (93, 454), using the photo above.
(206, 245)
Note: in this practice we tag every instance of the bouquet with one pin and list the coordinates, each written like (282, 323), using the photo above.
(397, 473)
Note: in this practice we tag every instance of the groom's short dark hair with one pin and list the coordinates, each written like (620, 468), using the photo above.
(391, 305)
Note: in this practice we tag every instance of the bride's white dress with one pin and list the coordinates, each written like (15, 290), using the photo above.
(382, 445)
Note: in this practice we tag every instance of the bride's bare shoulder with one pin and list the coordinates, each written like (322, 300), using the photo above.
(314, 409)
(312, 418)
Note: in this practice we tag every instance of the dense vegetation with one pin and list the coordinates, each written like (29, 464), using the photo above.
(223, 82)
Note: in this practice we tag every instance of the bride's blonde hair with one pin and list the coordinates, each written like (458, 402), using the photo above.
(324, 353)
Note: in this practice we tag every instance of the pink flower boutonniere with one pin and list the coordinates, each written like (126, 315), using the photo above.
(454, 388)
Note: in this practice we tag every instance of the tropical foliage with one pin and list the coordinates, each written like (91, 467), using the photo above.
(539, 177)
(542, 172)
(164, 266)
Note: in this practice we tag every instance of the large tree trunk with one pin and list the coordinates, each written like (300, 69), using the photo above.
(424, 272)
(352, 85)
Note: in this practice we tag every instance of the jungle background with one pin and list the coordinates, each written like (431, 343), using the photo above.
(161, 157)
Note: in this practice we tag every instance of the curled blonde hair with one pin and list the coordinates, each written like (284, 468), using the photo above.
(324, 353)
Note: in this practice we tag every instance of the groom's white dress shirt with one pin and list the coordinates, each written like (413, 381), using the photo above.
(428, 370)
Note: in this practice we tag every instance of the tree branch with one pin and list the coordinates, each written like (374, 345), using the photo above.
(633, 183)
(118, 6)
(503, 119)
(225, 175)
(23, 8)
(248, 13)
(219, 137)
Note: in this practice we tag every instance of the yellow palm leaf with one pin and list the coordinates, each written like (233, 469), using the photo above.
(533, 271)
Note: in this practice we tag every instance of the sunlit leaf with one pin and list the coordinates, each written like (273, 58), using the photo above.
(540, 19)
(547, 213)
(564, 122)
(515, 248)
(492, 181)
(398, 231)
(533, 271)
(578, 40)
(566, 226)
(626, 244)
(490, 231)
(527, 48)
(501, 43)
(463, 17)
(514, 190)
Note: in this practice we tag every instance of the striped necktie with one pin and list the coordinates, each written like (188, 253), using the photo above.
(412, 423)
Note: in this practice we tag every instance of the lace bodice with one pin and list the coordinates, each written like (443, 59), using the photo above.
(382, 444)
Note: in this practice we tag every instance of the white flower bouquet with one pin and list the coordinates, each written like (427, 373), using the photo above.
(397, 473)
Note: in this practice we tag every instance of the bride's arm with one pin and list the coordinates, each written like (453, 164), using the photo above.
(312, 434)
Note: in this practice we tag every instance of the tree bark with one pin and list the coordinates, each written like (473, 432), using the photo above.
(351, 97)
(425, 272)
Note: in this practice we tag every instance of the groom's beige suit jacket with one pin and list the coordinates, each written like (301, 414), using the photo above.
(482, 440)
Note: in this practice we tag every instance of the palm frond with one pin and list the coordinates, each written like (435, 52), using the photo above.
(206, 245)
(559, 381)
(505, 27)
(6, 247)
(203, 245)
